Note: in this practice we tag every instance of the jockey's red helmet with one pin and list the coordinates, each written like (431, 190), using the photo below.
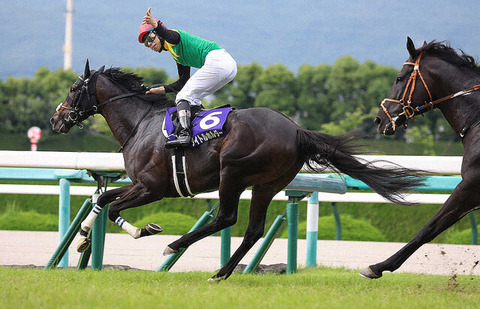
(144, 29)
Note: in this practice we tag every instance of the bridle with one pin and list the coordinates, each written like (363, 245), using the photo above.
(88, 86)
(79, 113)
(408, 110)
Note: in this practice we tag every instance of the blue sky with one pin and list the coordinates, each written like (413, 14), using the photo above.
(267, 32)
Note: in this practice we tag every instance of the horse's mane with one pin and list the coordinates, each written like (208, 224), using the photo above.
(448, 54)
(134, 83)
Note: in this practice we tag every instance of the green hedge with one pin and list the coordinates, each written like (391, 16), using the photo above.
(28, 221)
(463, 237)
(396, 223)
(352, 229)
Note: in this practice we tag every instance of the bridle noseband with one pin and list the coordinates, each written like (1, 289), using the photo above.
(88, 86)
(408, 110)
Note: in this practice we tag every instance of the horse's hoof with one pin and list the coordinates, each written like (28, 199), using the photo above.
(153, 228)
(217, 279)
(150, 229)
(169, 251)
(369, 274)
(83, 244)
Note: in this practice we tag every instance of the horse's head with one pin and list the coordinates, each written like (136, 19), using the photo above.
(79, 104)
(409, 95)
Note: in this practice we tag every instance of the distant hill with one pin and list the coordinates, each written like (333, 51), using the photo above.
(267, 32)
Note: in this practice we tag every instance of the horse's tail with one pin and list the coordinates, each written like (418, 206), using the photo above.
(320, 151)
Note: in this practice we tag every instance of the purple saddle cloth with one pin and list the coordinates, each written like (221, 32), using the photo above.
(207, 124)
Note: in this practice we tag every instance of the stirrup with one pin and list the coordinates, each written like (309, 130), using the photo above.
(181, 141)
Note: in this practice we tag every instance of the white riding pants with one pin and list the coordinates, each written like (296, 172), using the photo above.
(219, 69)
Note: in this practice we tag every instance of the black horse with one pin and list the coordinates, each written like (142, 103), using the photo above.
(436, 76)
(262, 149)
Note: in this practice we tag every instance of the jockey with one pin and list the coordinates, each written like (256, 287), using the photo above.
(216, 68)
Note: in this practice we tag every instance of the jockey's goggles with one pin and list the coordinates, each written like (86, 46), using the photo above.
(150, 37)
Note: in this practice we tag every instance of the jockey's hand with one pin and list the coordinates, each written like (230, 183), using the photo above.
(148, 19)
(157, 90)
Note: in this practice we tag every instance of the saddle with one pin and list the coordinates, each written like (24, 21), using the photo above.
(207, 124)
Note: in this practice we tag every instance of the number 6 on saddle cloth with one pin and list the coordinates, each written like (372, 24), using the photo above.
(207, 124)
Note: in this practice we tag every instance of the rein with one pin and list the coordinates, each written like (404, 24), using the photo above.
(408, 111)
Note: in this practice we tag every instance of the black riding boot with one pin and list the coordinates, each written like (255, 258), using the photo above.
(184, 137)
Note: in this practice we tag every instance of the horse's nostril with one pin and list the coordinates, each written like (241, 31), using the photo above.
(377, 120)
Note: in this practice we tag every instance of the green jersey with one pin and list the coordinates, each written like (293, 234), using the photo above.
(192, 50)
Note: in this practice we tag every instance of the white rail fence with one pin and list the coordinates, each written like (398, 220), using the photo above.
(100, 161)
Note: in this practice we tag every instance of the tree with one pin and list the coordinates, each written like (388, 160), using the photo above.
(422, 135)
(355, 87)
(151, 76)
(276, 88)
(28, 102)
(240, 92)
(336, 98)
(351, 121)
(313, 101)
(343, 86)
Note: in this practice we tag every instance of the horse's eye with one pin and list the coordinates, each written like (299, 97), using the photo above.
(399, 79)
(72, 89)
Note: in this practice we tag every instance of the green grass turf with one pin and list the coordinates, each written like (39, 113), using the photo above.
(309, 288)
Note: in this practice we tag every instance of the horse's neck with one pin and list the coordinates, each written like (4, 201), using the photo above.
(460, 111)
(124, 115)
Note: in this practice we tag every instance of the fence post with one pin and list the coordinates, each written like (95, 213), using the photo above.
(338, 222)
(69, 235)
(473, 225)
(312, 230)
(292, 218)
(172, 259)
(64, 177)
(225, 249)
(267, 242)
(63, 215)
(98, 238)
(294, 196)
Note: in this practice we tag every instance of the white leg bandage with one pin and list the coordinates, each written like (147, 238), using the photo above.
(88, 222)
(127, 227)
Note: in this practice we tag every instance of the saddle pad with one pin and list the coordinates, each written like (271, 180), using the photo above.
(207, 125)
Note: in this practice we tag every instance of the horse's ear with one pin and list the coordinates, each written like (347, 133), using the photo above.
(86, 74)
(411, 48)
(101, 69)
(424, 43)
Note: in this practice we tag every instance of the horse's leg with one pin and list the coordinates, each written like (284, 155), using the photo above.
(226, 216)
(104, 199)
(124, 197)
(261, 197)
(463, 199)
(229, 196)
(138, 195)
